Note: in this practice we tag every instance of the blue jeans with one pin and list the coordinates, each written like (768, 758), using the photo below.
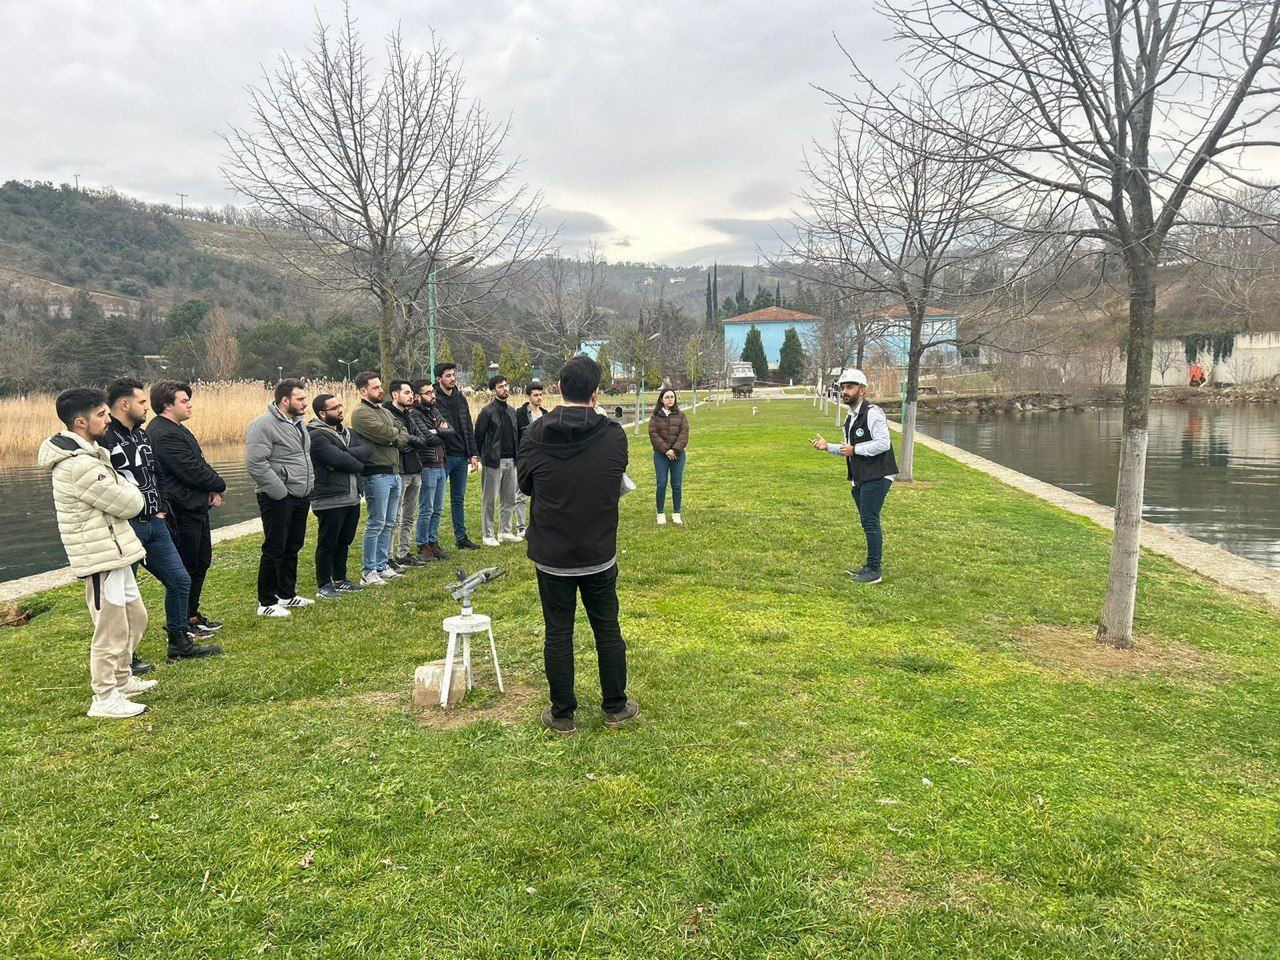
(869, 496)
(456, 470)
(675, 470)
(382, 496)
(164, 563)
(430, 507)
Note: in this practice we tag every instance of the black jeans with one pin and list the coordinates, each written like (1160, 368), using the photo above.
(192, 537)
(284, 530)
(559, 605)
(337, 531)
(869, 496)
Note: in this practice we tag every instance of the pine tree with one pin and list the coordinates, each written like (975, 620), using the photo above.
(443, 353)
(508, 362)
(524, 367)
(791, 356)
(753, 353)
(741, 304)
(729, 308)
(606, 366)
(479, 368)
(762, 299)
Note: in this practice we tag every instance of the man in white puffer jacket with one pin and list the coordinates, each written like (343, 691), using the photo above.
(94, 505)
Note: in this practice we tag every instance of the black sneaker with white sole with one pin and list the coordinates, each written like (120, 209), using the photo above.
(865, 575)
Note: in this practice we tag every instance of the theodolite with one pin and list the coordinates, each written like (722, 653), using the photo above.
(467, 585)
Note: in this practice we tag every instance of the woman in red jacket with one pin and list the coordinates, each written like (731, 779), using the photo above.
(669, 434)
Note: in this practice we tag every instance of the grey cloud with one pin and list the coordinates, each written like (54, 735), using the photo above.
(760, 194)
(746, 241)
(575, 224)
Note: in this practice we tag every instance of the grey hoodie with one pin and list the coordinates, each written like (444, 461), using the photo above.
(278, 455)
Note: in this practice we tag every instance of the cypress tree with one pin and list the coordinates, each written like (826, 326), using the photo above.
(753, 353)
(715, 283)
(479, 369)
(711, 304)
(791, 356)
(777, 293)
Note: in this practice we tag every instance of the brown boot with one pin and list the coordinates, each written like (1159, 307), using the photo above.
(439, 554)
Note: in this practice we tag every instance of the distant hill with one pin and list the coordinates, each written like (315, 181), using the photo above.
(57, 239)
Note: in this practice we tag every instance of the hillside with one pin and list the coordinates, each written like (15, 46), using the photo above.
(59, 239)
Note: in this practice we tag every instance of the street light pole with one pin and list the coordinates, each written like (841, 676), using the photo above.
(642, 360)
(349, 363)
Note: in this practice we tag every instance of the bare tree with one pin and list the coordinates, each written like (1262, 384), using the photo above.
(1233, 250)
(390, 183)
(1166, 355)
(892, 207)
(570, 301)
(1123, 110)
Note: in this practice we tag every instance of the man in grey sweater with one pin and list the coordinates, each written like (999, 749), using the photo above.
(278, 459)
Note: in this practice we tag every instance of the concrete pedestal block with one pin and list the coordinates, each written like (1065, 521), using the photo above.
(426, 685)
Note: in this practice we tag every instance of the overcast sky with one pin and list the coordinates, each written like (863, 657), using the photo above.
(668, 130)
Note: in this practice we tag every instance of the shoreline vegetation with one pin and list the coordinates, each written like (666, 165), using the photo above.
(223, 411)
(946, 765)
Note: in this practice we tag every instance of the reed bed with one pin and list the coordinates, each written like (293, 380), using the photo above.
(223, 411)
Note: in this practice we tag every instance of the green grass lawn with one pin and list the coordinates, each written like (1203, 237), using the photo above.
(938, 766)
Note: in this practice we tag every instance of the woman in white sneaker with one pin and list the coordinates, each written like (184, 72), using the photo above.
(669, 434)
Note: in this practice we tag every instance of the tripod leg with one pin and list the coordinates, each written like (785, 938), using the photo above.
(447, 676)
(493, 649)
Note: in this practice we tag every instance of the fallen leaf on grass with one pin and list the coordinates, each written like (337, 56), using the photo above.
(926, 781)
(307, 859)
(961, 761)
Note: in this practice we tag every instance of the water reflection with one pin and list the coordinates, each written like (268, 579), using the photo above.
(30, 543)
(1213, 472)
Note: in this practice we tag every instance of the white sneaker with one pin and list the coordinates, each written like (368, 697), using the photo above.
(297, 602)
(115, 706)
(273, 610)
(662, 519)
(386, 573)
(510, 537)
(371, 579)
(135, 686)
(675, 518)
(489, 541)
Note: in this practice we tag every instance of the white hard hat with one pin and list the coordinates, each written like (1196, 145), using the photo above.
(851, 375)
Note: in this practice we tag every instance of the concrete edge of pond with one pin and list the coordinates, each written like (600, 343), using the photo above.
(38, 583)
(1216, 564)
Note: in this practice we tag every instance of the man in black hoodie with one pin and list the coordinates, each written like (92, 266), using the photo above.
(573, 464)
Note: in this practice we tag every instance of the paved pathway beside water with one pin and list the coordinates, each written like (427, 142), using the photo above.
(1218, 565)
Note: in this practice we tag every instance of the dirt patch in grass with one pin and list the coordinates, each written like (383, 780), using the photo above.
(893, 889)
(1075, 653)
(515, 706)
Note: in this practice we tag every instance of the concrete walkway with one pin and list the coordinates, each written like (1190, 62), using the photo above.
(1218, 565)
(40, 582)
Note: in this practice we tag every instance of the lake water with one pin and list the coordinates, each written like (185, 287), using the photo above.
(1213, 471)
(30, 543)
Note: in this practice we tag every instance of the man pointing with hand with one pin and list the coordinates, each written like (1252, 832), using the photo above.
(869, 460)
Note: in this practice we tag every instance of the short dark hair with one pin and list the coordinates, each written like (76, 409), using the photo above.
(579, 379)
(123, 387)
(444, 365)
(320, 402)
(496, 379)
(77, 402)
(165, 392)
(397, 384)
(536, 385)
(419, 384)
(364, 376)
(286, 387)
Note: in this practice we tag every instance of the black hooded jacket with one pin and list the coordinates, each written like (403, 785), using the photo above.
(571, 463)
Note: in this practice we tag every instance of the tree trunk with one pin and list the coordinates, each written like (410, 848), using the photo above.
(386, 317)
(1115, 623)
(862, 352)
(906, 463)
